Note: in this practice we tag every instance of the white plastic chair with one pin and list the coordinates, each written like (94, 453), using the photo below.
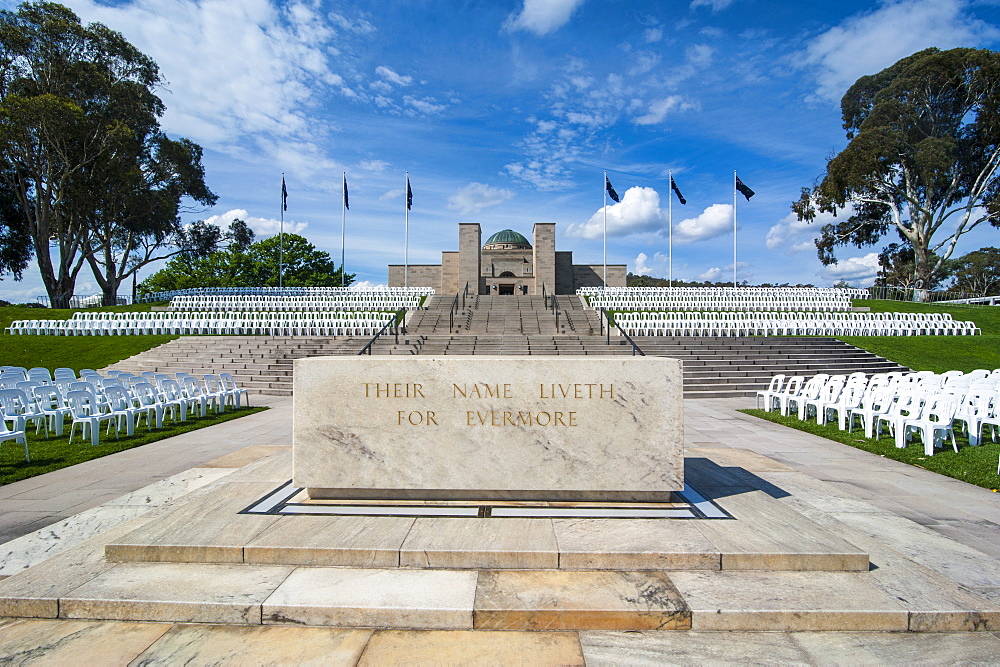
(230, 383)
(19, 409)
(87, 413)
(874, 404)
(777, 382)
(906, 406)
(7, 433)
(936, 418)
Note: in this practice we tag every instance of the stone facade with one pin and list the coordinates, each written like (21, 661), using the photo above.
(505, 268)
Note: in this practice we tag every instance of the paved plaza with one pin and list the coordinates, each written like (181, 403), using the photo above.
(935, 567)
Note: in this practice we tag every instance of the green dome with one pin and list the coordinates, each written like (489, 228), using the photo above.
(508, 237)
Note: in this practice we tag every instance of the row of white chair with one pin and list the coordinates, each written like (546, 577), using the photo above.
(119, 400)
(318, 323)
(294, 303)
(791, 324)
(286, 291)
(907, 404)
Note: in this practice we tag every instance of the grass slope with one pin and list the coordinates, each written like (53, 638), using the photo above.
(74, 352)
(937, 353)
(975, 465)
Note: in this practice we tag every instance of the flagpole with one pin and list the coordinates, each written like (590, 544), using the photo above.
(670, 232)
(343, 227)
(604, 188)
(406, 233)
(734, 228)
(281, 234)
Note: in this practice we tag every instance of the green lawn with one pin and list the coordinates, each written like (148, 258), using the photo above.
(55, 452)
(937, 353)
(74, 352)
(975, 465)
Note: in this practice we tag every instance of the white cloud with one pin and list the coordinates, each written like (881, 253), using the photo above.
(658, 109)
(474, 197)
(716, 5)
(796, 235)
(260, 226)
(710, 275)
(853, 269)
(390, 75)
(725, 273)
(869, 42)
(652, 35)
(658, 265)
(638, 211)
(374, 166)
(542, 16)
(716, 220)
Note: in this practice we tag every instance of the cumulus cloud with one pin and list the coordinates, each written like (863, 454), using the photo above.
(795, 236)
(474, 197)
(366, 285)
(657, 110)
(638, 211)
(716, 220)
(260, 226)
(869, 42)
(853, 269)
(723, 273)
(542, 16)
(657, 265)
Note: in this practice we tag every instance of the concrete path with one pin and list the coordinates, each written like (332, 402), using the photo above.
(948, 526)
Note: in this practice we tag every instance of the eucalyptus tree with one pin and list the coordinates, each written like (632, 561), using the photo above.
(922, 158)
(82, 151)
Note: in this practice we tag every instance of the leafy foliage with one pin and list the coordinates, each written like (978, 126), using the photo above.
(245, 263)
(978, 272)
(81, 151)
(922, 159)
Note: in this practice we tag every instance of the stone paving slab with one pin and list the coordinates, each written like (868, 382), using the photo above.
(603, 600)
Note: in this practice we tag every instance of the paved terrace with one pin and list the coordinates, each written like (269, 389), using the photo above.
(942, 532)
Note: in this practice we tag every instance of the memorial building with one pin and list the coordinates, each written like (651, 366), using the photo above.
(507, 264)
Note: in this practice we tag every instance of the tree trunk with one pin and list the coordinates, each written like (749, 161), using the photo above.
(921, 274)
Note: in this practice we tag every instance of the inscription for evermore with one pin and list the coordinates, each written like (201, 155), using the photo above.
(488, 427)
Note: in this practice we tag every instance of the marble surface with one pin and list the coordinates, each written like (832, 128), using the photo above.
(635, 544)
(454, 427)
(557, 600)
(437, 599)
(792, 601)
(478, 543)
(255, 645)
(228, 594)
(207, 529)
(35, 592)
(39, 642)
(354, 541)
(691, 648)
(457, 647)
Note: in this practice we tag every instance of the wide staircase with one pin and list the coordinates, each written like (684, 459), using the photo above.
(517, 325)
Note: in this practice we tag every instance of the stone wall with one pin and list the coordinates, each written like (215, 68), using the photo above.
(592, 275)
(544, 251)
(420, 275)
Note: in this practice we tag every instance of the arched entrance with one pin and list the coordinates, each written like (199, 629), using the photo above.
(506, 288)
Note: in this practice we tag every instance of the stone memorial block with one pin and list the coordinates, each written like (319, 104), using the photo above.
(488, 428)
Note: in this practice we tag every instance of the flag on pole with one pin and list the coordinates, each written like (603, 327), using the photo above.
(744, 190)
(677, 191)
(409, 195)
(610, 189)
(347, 203)
(284, 195)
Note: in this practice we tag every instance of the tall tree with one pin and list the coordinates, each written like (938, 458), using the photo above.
(978, 272)
(896, 268)
(136, 206)
(922, 159)
(80, 145)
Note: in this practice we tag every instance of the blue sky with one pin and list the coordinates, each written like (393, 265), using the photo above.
(508, 112)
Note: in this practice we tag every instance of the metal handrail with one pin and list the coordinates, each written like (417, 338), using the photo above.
(395, 322)
(635, 348)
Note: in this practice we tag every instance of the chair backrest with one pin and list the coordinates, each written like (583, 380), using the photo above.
(145, 393)
(191, 386)
(171, 389)
(67, 373)
(12, 401)
(776, 383)
(941, 409)
(48, 397)
(117, 397)
(831, 390)
(852, 394)
(82, 403)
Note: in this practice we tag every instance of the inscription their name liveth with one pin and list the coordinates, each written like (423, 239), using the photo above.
(560, 428)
